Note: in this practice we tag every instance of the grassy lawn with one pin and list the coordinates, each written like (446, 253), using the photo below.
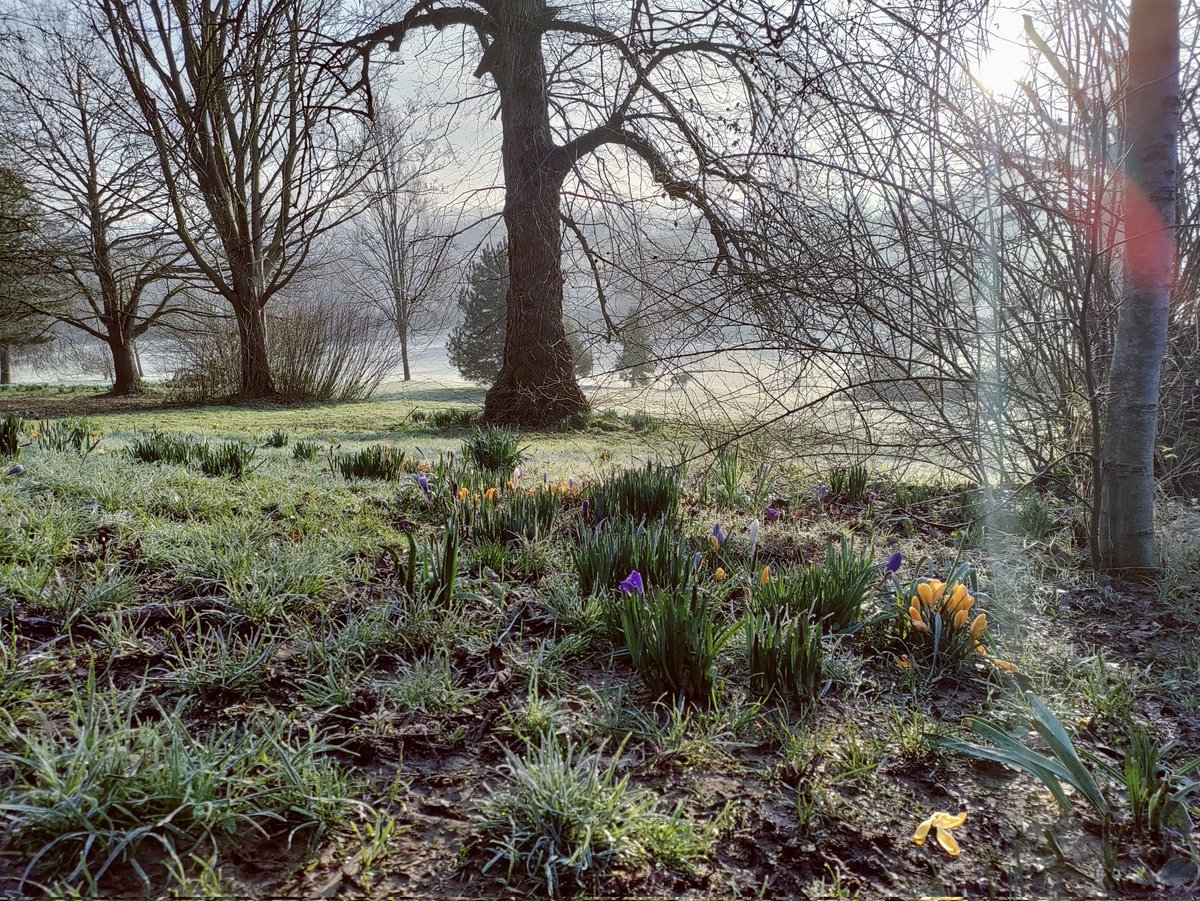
(347, 649)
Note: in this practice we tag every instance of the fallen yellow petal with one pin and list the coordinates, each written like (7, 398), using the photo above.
(946, 840)
(923, 831)
(946, 821)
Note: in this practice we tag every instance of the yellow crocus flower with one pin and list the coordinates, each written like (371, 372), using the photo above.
(719, 575)
(766, 575)
(978, 626)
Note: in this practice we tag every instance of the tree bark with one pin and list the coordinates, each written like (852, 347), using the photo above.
(1152, 121)
(404, 354)
(5, 364)
(257, 382)
(536, 386)
(127, 377)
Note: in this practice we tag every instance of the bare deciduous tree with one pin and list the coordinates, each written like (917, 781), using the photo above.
(403, 253)
(117, 268)
(255, 155)
(677, 96)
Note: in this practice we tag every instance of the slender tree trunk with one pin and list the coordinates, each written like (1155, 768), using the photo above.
(128, 380)
(401, 320)
(5, 363)
(404, 354)
(1152, 122)
(536, 385)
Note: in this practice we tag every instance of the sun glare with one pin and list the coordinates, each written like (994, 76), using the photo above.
(1001, 68)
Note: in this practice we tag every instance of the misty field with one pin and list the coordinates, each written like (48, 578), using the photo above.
(372, 649)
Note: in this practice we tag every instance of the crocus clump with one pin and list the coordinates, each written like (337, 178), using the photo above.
(941, 618)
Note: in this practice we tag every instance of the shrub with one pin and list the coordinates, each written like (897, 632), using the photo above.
(306, 450)
(376, 461)
(607, 554)
(11, 429)
(277, 438)
(159, 448)
(67, 435)
(321, 345)
(560, 814)
(232, 459)
(494, 451)
(784, 654)
(848, 484)
(673, 640)
(648, 493)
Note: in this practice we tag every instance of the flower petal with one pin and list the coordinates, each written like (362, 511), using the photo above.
(947, 841)
(923, 831)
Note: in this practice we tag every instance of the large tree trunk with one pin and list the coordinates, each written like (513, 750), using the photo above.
(256, 366)
(536, 386)
(5, 364)
(1152, 121)
(128, 379)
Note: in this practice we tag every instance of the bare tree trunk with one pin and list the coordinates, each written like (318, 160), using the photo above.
(256, 365)
(404, 352)
(1152, 116)
(128, 379)
(537, 383)
(5, 364)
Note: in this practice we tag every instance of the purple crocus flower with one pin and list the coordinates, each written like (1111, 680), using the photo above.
(697, 561)
(571, 483)
(633, 583)
(586, 508)
(822, 491)
(771, 514)
(893, 563)
(545, 479)
(16, 469)
(423, 482)
(719, 535)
